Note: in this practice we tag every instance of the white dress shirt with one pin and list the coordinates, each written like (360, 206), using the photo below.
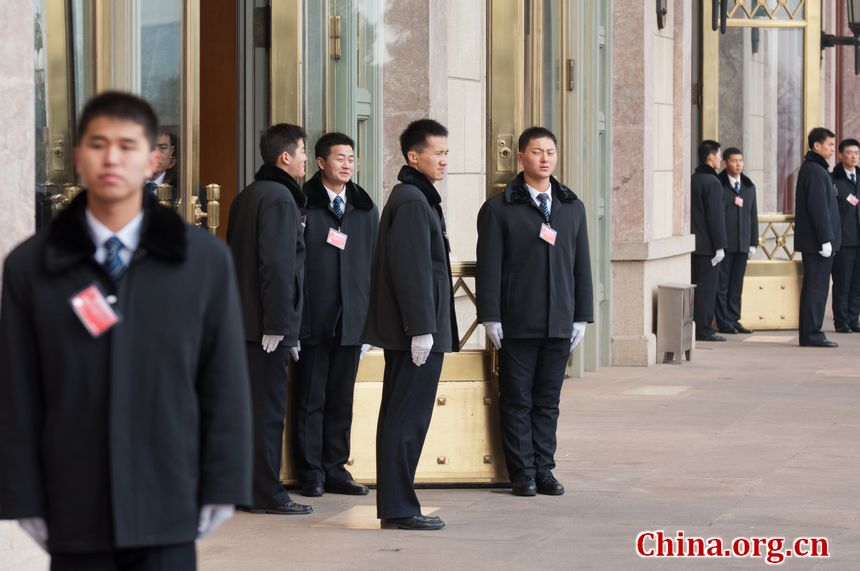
(129, 235)
(734, 182)
(332, 195)
(534, 192)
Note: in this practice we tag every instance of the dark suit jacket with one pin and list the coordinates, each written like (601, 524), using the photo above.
(816, 215)
(534, 289)
(849, 215)
(741, 221)
(707, 216)
(265, 234)
(117, 441)
(337, 283)
(410, 289)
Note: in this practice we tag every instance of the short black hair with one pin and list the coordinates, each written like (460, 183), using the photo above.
(730, 152)
(329, 140)
(819, 135)
(848, 143)
(414, 136)
(120, 105)
(707, 148)
(279, 138)
(533, 133)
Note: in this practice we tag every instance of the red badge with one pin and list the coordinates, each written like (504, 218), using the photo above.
(93, 310)
(336, 239)
(853, 200)
(547, 234)
(739, 202)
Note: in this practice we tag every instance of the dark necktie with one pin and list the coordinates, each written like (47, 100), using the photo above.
(853, 178)
(113, 263)
(544, 207)
(737, 188)
(150, 187)
(336, 207)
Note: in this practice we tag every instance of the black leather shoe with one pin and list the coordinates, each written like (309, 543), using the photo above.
(825, 343)
(741, 329)
(548, 485)
(312, 490)
(524, 486)
(347, 487)
(289, 508)
(416, 523)
(711, 337)
(855, 327)
(728, 330)
(842, 329)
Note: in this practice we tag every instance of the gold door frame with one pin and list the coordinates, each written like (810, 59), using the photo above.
(811, 25)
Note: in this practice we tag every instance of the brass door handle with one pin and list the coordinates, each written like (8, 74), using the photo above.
(213, 208)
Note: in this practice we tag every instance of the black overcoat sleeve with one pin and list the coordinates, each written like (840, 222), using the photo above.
(224, 398)
(488, 271)
(818, 208)
(411, 266)
(754, 220)
(715, 214)
(276, 243)
(22, 486)
(583, 288)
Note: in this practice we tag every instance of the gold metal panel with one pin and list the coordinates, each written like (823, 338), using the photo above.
(59, 93)
(286, 61)
(771, 298)
(710, 76)
(812, 67)
(189, 115)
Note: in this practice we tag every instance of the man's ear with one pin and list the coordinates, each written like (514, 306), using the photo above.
(412, 157)
(320, 163)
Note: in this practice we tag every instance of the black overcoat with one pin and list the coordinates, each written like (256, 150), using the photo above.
(337, 282)
(707, 217)
(534, 289)
(816, 214)
(411, 291)
(265, 234)
(741, 221)
(117, 441)
(849, 214)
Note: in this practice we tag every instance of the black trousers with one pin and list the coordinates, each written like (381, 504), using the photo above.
(813, 296)
(181, 557)
(531, 372)
(706, 278)
(730, 288)
(846, 286)
(408, 398)
(268, 373)
(324, 386)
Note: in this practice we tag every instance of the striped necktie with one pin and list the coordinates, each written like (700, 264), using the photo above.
(544, 207)
(113, 263)
(737, 187)
(853, 178)
(336, 207)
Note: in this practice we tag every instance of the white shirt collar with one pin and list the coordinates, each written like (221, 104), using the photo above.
(160, 178)
(534, 193)
(734, 181)
(332, 195)
(848, 172)
(129, 235)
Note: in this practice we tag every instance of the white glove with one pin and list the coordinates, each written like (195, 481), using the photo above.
(719, 257)
(294, 351)
(421, 345)
(494, 332)
(37, 529)
(752, 251)
(364, 349)
(270, 342)
(578, 334)
(211, 517)
(826, 250)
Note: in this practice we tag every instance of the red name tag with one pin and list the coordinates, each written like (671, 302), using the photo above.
(547, 234)
(93, 310)
(853, 200)
(336, 239)
(739, 202)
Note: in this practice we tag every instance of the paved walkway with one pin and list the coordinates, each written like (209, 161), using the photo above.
(755, 437)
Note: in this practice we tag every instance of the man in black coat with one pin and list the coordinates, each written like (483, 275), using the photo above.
(708, 223)
(534, 291)
(265, 235)
(341, 223)
(817, 234)
(739, 196)
(124, 406)
(846, 262)
(411, 316)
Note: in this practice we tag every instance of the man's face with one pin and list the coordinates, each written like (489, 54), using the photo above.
(166, 154)
(114, 159)
(432, 160)
(339, 165)
(295, 163)
(826, 148)
(850, 157)
(539, 158)
(735, 165)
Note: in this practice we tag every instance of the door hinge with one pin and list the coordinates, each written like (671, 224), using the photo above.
(262, 27)
(334, 33)
(696, 92)
(571, 77)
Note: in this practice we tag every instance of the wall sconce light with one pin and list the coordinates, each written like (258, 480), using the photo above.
(662, 11)
(830, 40)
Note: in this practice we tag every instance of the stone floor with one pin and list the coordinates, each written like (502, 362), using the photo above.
(754, 437)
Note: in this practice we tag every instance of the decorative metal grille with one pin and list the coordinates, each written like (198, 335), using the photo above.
(776, 240)
(768, 9)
